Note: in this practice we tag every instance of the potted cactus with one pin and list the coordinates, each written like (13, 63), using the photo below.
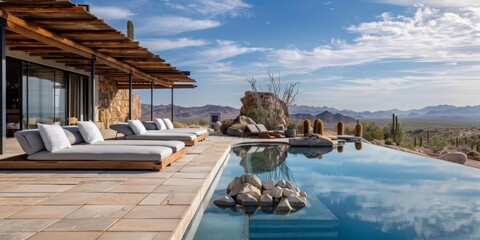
(291, 130)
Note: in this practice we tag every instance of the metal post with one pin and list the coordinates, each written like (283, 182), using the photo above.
(151, 101)
(171, 114)
(130, 96)
(3, 87)
(92, 77)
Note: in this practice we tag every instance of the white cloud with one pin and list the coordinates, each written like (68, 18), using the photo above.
(166, 44)
(233, 8)
(109, 12)
(169, 25)
(431, 35)
(433, 3)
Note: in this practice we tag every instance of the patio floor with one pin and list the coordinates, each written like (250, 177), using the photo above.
(60, 204)
(140, 205)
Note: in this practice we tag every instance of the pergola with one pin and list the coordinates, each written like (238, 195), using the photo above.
(67, 33)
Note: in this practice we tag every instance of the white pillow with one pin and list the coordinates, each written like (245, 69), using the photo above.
(160, 124)
(54, 137)
(168, 123)
(137, 127)
(89, 131)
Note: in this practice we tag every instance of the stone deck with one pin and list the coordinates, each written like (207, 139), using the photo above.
(140, 205)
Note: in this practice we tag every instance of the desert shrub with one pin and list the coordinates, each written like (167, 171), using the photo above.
(372, 131)
(203, 122)
(179, 125)
(257, 114)
(194, 125)
(349, 130)
(292, 125)
(438, 143)
(387, 133)
(388, 141)
(225, 125)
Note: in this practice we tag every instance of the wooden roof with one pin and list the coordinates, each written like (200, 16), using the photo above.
(64, 32)
(147, 85)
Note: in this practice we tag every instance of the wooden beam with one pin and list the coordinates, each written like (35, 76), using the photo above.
(22, 27)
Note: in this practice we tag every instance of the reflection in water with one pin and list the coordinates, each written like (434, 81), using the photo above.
(340, 148)
(358, 145)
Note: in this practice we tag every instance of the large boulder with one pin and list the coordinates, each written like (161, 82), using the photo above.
(246, 188)
(284, 206)
(232, 131)
(456, 157)
(296, 202)
(224, 201)
(268, 99)
(243, 120)
(266, 200)
(234, 184)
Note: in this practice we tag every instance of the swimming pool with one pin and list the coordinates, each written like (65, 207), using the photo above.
(372, 193)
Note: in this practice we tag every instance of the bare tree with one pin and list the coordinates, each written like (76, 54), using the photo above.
(273, 114)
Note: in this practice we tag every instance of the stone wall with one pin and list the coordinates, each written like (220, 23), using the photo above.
(113, 103)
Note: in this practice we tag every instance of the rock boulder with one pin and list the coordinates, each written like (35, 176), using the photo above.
(456, 157)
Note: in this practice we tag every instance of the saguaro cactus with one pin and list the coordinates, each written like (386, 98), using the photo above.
(306, 126)
(340, 128)
(130, 30)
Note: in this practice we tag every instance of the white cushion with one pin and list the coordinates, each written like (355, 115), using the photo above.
(89, 131)
(160, 124)
(54, 137)
(137, 127)
(168, 123)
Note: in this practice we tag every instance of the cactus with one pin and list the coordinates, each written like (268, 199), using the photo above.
(358, 129)
(130, 30)
(456, 142)
(315, 125)
(428, 136)
(420, 141)
(395, 128)
(306, 126)
(318, 128)
(340, 128)
(472, 145)
(415, 141)
(478, 146)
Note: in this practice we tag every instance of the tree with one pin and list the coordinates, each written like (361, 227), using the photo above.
(287, 95)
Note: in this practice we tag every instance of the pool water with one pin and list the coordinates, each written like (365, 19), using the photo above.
(372, 193)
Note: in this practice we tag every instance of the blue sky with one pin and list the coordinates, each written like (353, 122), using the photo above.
(347, 54)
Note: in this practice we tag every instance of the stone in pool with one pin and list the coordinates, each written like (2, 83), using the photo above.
(266, 200)
(224, 201)
(268, 184)
(246, 188)
(276, 192)
(247, 200)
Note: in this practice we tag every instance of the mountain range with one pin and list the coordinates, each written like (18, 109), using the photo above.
(300, 112)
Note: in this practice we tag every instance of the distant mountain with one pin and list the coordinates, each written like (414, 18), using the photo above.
(326, 116)
(430, 111)
(188, 114)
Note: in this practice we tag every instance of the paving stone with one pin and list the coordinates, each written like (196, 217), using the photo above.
(101, 211)
(45, 212)
(149, 225)
(6, 211)
(157, 212)
(95, 186)
(187, 182)
(20, 200)
(16, 236)
(125, 188)
(118, 198)
(144, 181)
(70, 198)
(81, 224)
(179, 199)
(37, 188)
(24, 225)
(66, 235)
(163, 236)
(182, 175)
(154, 199)
(128, 236)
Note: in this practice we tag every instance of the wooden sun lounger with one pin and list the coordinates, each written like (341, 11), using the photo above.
(21, 162)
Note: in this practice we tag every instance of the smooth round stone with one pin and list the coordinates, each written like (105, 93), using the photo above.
(246, 188)
(252, 179)
(266, 200)
(224, 201)
(276, 192)
(296, 202)
(246, 200)
(268, 184)
(281, 184)
(284, 206)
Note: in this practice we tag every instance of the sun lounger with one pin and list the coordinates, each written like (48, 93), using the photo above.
(112, 154)
(262, 128)
(252, 130)
(189, 136)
